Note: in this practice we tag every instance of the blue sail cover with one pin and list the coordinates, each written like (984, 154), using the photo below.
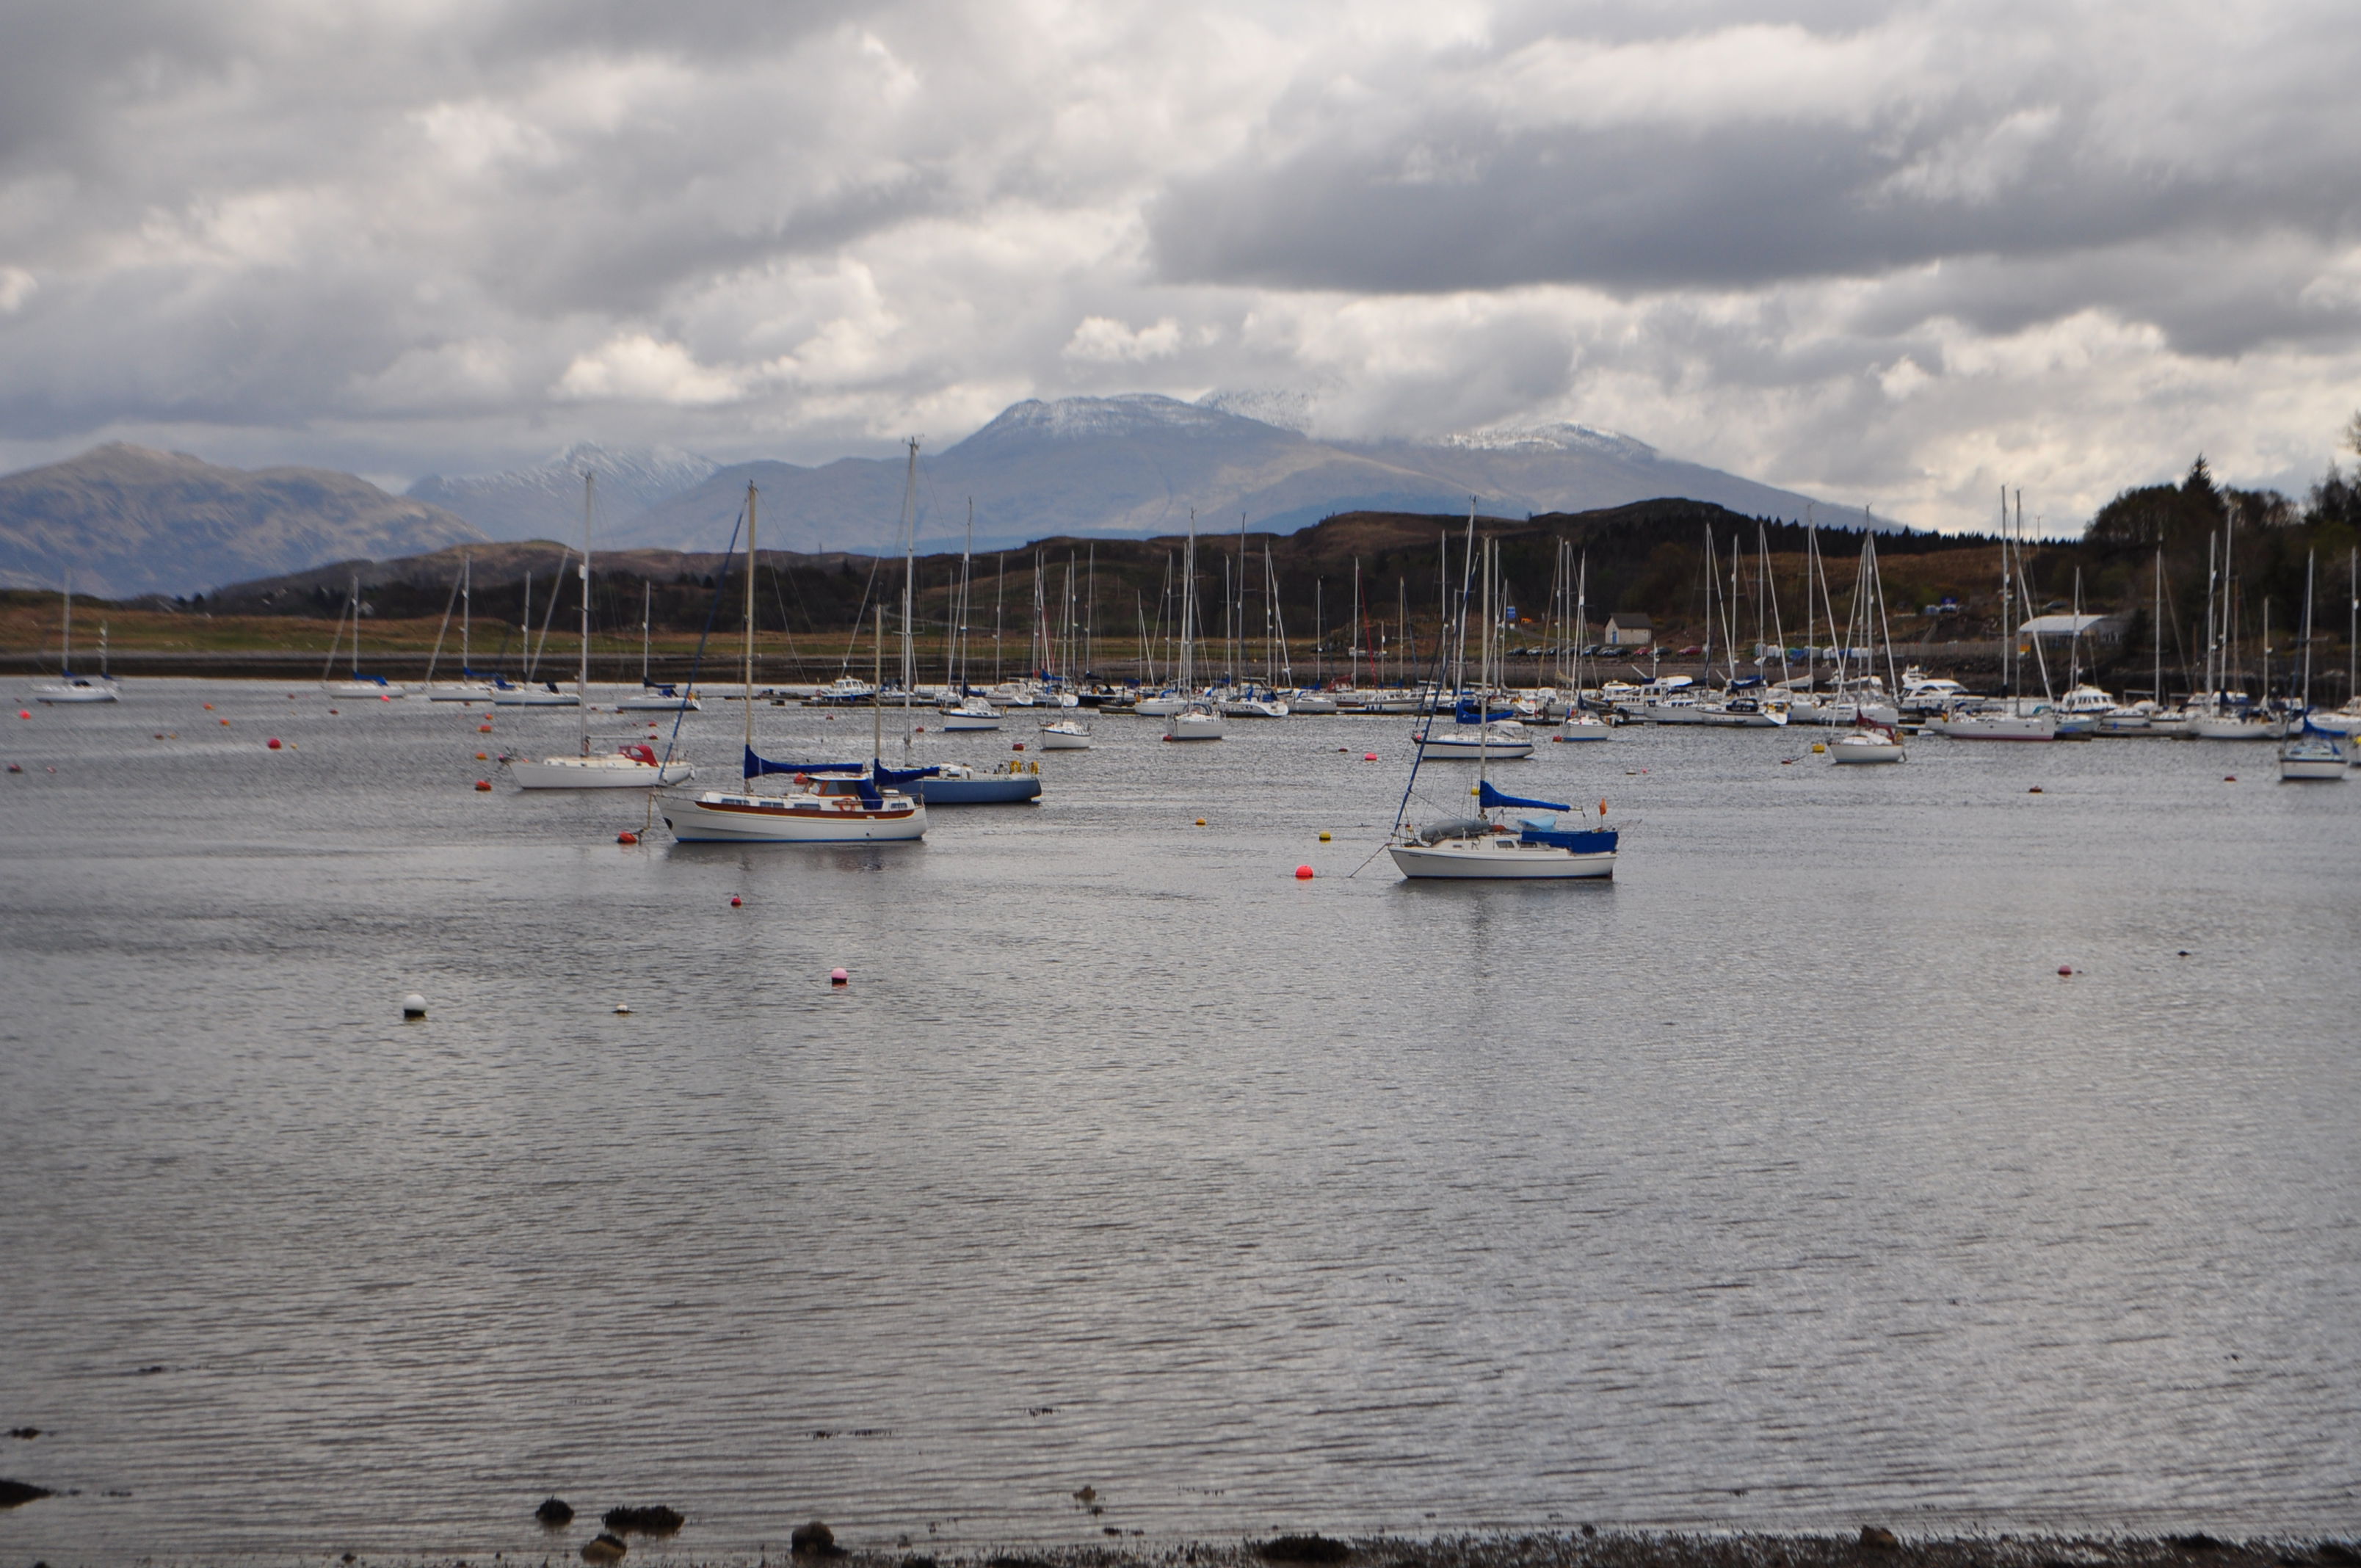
(1493, 800)
(894, 778)
(757, 766)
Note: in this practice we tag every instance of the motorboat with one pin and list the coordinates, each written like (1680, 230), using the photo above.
(1926, 696)
(845, 691)
(632, 766)
(1316, 703)
(1253, 705)
(1064, 735)
(2312, 757)
(970, 713)
(1580, 725)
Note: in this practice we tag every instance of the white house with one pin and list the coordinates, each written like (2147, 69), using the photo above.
(1626, 628)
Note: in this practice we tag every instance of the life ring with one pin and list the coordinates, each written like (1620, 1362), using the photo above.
(846, 803)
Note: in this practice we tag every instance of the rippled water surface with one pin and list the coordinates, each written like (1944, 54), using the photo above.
(1783, 1182)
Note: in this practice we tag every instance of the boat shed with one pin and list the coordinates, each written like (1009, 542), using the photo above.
(2097, 628)
(1626, 628)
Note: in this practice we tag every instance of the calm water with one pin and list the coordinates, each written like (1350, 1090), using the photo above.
(1782, 1182)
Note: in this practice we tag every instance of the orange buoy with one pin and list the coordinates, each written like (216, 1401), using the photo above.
(209, 707)
(1304, 873)
(483, 729)
(483, 757)
(627, 837)
(273, 742)
(484, 784)
(225, 722)
(1200, 822)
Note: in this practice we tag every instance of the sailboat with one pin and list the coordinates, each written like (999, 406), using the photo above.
(471, 687)
(633, 766)
(356, 684)
(1194, 720)
(825, 802)
(1581, 723)
(2017, 719)
(68, 687)
(1486, 847)
(966, 708)
(655, 697)
(1476, 734)
(2313, 754)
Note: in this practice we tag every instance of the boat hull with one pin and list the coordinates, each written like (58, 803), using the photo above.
(715, 817)
(2298, 769)
(1001, 790)
(955, 722)
(1858, 751)
(1188, 728)
(1470, 752)
(597, 772)
(659, 705)
(1997, 727)
(1501, 857)
(74, 696)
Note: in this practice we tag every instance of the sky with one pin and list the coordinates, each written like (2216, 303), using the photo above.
(1898, 255)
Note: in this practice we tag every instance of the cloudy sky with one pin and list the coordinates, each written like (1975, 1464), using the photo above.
(1893, 254)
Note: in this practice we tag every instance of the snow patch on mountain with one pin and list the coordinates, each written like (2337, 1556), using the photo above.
(1092, 419)
(1267, 405)
(1548, 438)
(547, 497)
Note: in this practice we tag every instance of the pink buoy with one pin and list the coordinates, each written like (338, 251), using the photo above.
(838, 977)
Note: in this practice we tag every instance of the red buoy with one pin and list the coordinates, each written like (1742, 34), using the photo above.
(1019, 747)
(24, 713)
(484, 784)
(273, 742)
(483, 729)
(2064, 969)
(1368, 756)
(735, 901)
(1304, 873)
(627, 837)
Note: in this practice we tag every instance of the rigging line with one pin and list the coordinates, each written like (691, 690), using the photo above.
(697, 664)
(1466, 577)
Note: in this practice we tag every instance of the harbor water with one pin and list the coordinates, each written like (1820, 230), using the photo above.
(1783, 1182)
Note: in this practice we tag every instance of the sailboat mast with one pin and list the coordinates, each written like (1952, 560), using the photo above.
(466, 607)
(2155, 622)
(750, 616)
(1189, 607)
(582, 677)
(2309, 558)
(356, 626)
(647, 600)
(910, 586)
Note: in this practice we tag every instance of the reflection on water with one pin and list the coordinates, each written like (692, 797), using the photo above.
(1782, 1181)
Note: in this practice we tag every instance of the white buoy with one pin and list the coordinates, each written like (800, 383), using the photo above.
(413, 1006)
(622, 1009)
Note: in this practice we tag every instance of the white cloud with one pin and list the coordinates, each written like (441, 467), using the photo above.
(1105, 341)
(636, 367)
(1885, 253)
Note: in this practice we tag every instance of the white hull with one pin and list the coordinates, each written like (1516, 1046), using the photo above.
(1055, 740)
(1253, 708)
(1457, 750)
(1159, 706)
(968, 721)
(2232, 729)
(597, 772)
(717, 817)
(1303, 702)
(2296, 768)
(521, 698)
(1500, 858)
(1593, 730)
(2340, 722)
(1997, 727)
(659, 705)
(1865, 752)
(75, 695)
(470, 695)
(1672, 713)
(1194, 727)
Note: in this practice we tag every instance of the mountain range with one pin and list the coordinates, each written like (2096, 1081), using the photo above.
(1125, 467)
(125, 521)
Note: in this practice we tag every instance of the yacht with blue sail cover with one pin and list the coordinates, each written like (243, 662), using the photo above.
(1486, 848)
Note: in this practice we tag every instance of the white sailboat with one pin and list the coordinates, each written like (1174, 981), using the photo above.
(1064, 735)
(1194, 720)
(69, 689)
(633, 766)
(2310, 755)
(2016, 718)
(355, 683)
(471, 687)
(655, 697)
(825, 802)
(1486, 847)
(1474, 735)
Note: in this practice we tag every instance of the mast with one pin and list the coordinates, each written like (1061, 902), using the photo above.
(582, 676)
(2309, 557)
(647, 598)
(1189, 608)
(909, 585)
(466, 607)
(749, 693)
(2213, 639)
(2156, 623)
(65, 646)
(525, 627)
(1581, 622)
(356, 626)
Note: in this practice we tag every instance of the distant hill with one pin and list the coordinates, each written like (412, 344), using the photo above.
(544, 501)
(125, 521)
(1126, 467)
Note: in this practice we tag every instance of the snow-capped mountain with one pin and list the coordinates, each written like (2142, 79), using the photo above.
(1139, 463)
(544, 501)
